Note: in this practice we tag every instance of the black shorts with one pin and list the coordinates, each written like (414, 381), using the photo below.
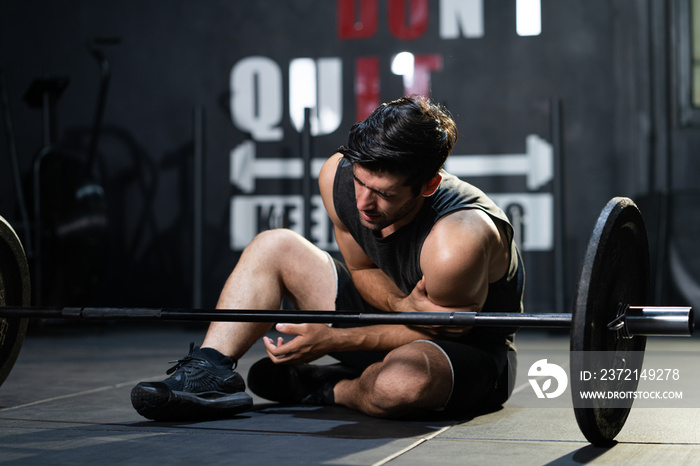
(482, 375)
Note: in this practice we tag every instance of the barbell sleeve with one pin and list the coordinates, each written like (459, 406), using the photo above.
(659, 321)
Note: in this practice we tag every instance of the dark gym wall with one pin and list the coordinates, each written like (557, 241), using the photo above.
(594, 57)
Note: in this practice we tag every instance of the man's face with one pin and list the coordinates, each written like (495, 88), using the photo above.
(383, 200)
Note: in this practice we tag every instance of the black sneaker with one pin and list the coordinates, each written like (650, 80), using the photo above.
(198, 390)
(297, 383)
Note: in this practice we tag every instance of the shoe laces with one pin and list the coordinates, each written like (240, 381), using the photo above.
(180, 363)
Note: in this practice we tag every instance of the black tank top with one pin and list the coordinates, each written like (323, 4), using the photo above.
(398, 254)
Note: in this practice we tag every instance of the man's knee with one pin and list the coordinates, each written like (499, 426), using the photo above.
(274, 243)
(396, 391)
(412, 377)
(276, 238)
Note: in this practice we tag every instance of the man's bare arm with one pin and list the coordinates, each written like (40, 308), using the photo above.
(372, 284)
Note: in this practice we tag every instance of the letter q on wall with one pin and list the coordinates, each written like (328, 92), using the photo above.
(256, 98)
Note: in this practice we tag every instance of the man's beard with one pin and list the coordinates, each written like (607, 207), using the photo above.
(382, 220)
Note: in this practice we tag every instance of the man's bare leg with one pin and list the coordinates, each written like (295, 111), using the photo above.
(413, 378)
(276, 264)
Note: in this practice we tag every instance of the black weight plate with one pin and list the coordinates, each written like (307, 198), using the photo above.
(615, 272)
(14, 291)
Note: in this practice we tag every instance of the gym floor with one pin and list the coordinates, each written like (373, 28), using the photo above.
(66, 401)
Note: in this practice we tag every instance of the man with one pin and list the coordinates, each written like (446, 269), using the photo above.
(413, 238)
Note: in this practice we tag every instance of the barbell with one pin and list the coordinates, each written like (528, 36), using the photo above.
(609, 312)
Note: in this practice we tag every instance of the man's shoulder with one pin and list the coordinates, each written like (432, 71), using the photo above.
(464, 221)
(461, 232)
(465, 241)
(326, 180)
(330, 166)
(456, 255)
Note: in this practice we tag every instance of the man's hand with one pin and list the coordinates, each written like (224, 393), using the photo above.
(310, 343)
(418, 301)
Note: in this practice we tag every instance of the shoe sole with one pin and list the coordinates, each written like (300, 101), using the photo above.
(162, 404)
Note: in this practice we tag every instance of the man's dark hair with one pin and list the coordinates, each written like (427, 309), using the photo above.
(411, 136)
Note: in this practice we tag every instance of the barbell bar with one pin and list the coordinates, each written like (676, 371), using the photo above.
(609, 312)
(634, 321)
